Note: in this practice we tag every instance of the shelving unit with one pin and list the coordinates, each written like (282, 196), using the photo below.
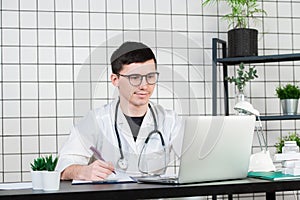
(232, 61)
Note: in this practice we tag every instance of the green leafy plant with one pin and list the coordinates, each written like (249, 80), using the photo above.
(38, 164)
(241, 12)
(50, 163)
(243, 76)
(290, 137)
(288, 91)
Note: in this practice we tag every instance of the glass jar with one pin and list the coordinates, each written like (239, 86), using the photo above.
(240, 96)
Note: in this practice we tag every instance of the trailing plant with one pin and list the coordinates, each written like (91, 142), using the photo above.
(50, 163)
(290, 137)
(288, 91)
(241, 12)
(38, 164)
(243, 76)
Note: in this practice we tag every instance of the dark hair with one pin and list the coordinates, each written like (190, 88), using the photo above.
(130, 52)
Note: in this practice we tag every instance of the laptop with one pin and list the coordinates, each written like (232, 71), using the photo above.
(214, 148)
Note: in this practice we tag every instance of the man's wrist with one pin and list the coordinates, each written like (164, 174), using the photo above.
(73, 172)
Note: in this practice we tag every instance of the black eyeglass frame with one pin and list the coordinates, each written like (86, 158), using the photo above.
(140, 78)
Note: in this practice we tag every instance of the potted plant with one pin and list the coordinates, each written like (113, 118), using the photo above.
(43, 173)
(289, 95)
(37, 167)
(242, 77)
(290, 137)
(51, 178)
(242, 40)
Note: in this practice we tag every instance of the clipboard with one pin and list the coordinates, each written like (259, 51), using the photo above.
(82, 182)
(112, 179)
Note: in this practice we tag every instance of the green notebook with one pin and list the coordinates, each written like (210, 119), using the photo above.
(274, 176)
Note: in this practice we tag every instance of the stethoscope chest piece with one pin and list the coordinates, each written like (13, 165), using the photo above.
(123, 163)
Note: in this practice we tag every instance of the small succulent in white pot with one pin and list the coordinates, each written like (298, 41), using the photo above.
(43, 173)
(37, 167)
(51, 178)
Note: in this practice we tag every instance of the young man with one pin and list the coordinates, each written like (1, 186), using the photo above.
(132, 134)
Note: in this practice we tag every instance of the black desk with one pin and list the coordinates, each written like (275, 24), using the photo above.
(142, 191)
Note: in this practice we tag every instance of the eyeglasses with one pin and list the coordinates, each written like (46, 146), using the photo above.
(136, 79)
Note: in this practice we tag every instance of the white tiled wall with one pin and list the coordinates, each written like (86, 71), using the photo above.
(55, 64)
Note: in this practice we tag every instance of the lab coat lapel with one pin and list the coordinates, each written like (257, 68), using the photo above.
(125, 131)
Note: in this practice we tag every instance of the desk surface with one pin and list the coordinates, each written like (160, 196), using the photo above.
(142, 191)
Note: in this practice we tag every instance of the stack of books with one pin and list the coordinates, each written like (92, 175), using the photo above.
(273, 176)
(290, 168)
(290, 163)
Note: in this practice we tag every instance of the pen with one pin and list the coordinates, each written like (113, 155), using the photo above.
(98, 155)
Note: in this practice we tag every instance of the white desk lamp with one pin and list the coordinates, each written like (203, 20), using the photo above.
(246, 108)
(260, 161)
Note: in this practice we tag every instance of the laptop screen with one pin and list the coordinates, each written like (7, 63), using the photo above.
(216, 148)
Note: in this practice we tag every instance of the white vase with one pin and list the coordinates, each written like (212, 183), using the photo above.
(37, 180)
(51, 180)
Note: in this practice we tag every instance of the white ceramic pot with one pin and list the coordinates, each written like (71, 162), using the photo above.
(51, 180)
(37, 180)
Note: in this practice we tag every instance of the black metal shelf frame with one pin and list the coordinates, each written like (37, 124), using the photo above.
(225, 61)
(279, 117)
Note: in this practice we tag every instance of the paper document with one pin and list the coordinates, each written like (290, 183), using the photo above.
(15, 186)
(113, 178)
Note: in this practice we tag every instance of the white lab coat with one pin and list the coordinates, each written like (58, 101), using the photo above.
(97, 129)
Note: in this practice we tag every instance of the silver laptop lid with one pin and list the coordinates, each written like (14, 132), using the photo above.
(216, 148)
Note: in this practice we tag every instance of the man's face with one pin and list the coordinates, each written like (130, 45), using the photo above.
(135, 95)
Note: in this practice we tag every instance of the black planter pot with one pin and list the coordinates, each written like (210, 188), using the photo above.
(242, 42)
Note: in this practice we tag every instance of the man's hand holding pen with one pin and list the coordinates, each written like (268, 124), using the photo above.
(107, 167)
(98, 170)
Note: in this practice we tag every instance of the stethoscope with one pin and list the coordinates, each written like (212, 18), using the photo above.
(123, 162)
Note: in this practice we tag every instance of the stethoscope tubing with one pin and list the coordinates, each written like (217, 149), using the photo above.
(148, 137)
(117, 132)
